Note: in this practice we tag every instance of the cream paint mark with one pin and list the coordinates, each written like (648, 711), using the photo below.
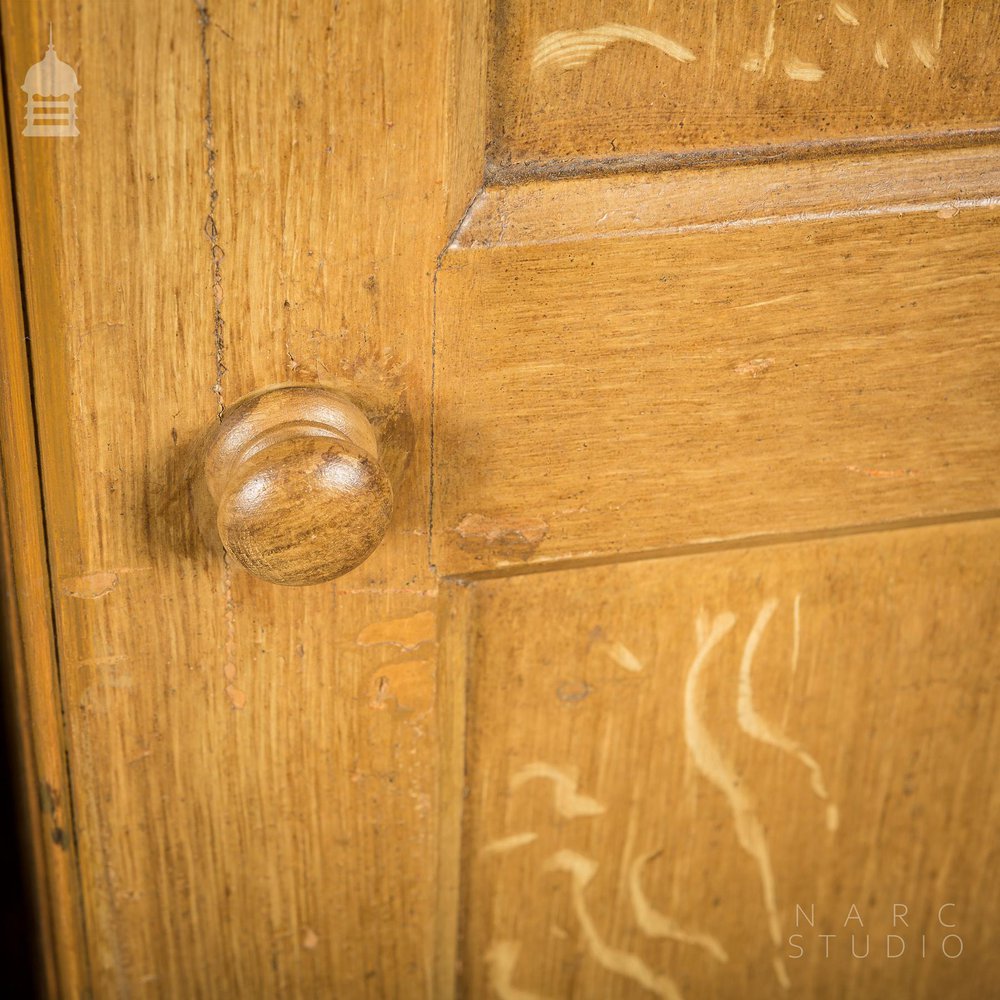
(758, 64)
(501, 960)
(880, 473)
(571, 49)
(89, 586)
(504, 535)
(880, 56)
(845, 15)
(406, 633)
(757, 727)
(923, 52)
(939, 30)
(310, 939)
(559, 932)
(807, 72)
(568, 801)
(621, 655)
(505, 844)
(755, 367)
(658, 925)
(708, 759)
(948, 212)
(581, 871)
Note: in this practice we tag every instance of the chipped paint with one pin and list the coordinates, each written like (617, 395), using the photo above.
(506, 536)
(406, 633)
(406, 685)
(755, 367)
(89, 586)
(880, 473)
(568, 801)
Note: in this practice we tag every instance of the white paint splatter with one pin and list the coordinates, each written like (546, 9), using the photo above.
(568, 801)
(658, 925)
(756, 726)
(504, 844)
(572, 49)
(622, 655)
(623, 963)
(501, 959)
(806, 72)
(713, 765)
(845, 15)
(758, 64)
(923, 52)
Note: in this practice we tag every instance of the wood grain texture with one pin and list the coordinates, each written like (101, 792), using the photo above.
(784, 371)
(577, 84)
(258, 195)
(688, 749)
(31, 674)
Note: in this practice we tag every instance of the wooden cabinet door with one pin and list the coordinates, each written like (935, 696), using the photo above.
(674, 674)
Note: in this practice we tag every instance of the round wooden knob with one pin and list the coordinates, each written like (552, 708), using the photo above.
(295, 476)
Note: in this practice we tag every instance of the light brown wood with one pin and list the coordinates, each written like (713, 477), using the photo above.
(789, 370)
(31, 673)
(689, 750)
(578, 84)
(273, 792)
(298, 492)
(258, 195)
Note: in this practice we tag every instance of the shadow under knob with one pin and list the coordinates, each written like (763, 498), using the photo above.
(301, 496)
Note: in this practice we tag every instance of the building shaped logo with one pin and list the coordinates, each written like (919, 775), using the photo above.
(51, 86)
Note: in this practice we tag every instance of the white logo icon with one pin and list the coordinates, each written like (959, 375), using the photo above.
(51, 86)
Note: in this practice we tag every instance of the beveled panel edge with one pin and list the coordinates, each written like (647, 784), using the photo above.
(645, 204)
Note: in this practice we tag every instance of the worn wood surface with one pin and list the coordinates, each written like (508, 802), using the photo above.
(258, 195)
(268, 784)
(31, 675)
(578, 84)
(662, 770)
(791, 369)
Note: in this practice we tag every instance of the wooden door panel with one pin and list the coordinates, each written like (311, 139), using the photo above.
(253, 198)
(577, 83)
(673, 766)
(253, 791)
(808, 361)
